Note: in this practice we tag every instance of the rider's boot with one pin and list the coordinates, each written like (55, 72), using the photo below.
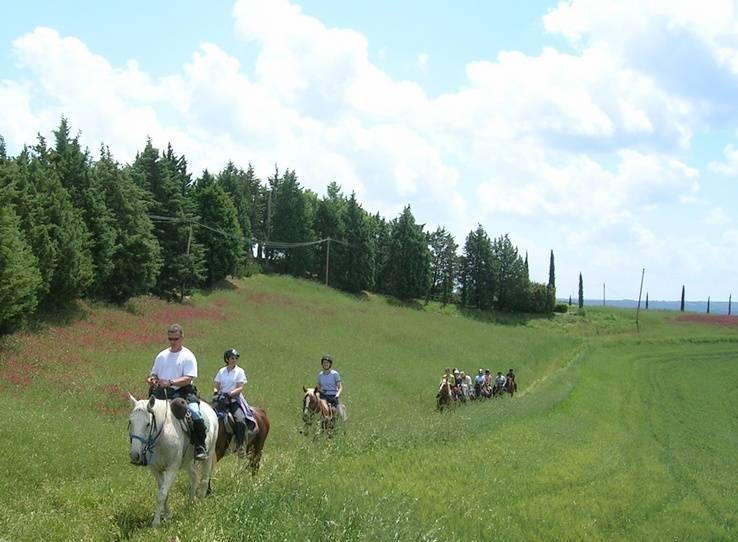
(198, 428)
(239, 429)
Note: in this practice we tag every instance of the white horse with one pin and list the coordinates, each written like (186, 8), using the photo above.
(159, 440)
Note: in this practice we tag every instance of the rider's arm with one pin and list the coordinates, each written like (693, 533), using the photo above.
(179, 381)
(235, 392)
(339, 387)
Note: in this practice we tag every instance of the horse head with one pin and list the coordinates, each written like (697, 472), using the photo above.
(140, 429)
(309, 404)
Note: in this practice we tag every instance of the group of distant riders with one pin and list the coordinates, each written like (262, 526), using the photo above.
(463, 387)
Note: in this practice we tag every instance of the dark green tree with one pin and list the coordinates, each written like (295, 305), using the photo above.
(136, 256)
(408, 273)
(381, 231)
(240, 186)
(219, 231)
(443, 265)
(581, 292)
(54, 229)
(358, 261)
(511, 279)
(292, 226)
(20, 277)
(551, 273)
(330, 224)
(479, 274)
(681, 306)
(172, 211)
(72, 165)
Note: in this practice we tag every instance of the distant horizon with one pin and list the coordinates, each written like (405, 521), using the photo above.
(716, 307)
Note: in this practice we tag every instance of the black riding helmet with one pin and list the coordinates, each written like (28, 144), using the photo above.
(328, 358)
(230, 352)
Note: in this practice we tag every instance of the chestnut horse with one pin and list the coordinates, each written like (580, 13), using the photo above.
(226, 442)
(444, 398)
(312, 405)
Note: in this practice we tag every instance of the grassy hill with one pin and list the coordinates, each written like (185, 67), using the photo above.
(618, 433)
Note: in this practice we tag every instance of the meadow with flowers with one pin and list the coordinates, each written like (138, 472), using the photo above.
(618, 432)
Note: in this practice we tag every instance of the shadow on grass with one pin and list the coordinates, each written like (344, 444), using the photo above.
(129, 522)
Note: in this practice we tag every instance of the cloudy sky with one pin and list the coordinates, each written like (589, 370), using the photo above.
(605, 131)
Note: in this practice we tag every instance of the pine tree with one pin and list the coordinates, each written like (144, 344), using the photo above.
(443, 265)
(73, 168)
(239, 185)
(358, 262)
(20, 277)
(166, 181)
(291, 223)
(220, 232)
(54, 229)
(408, 272)
(479, 276)
(136, 258)
(330, 223)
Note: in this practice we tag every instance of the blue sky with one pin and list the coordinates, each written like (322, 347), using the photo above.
(604, 131)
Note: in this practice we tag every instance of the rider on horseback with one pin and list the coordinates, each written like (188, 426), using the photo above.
(229, 383)
(500, 381)
(171, 376)
(329, 384)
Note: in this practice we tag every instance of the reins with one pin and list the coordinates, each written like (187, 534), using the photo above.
(150, 441)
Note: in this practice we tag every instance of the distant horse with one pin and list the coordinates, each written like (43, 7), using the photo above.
(444, 398)
(511, 386)
(226, 442)
(160, 441)
(314, 405)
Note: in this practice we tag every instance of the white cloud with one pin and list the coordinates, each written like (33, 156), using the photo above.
(728, 167)
(422, 62)
(578, 149)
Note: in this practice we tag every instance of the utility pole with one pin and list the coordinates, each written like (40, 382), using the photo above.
(327, 259)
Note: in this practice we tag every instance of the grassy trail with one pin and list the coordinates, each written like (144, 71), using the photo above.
(616, 435)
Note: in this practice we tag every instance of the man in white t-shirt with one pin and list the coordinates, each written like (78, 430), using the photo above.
(171, 376)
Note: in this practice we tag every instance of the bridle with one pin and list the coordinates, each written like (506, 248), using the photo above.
(311, 406)
(149, 442)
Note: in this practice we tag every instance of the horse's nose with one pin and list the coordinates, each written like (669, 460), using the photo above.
(135, 457)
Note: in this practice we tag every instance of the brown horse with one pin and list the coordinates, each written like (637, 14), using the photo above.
(511, 386)
(226, 442)
(312, 405)
(444, 398)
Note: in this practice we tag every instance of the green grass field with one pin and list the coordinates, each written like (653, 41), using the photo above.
(617, 433)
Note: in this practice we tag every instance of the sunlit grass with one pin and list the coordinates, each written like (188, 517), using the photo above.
(618, 433)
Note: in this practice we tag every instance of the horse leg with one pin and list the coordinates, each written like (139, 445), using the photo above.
(164, 481)
(207, 470)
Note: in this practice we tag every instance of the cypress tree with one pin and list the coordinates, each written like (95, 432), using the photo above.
(73, 168)
(681, 306)
(136, 259)
(20, 277)
(358, 261)
(581, 292)
(222, 240)
(408, 271)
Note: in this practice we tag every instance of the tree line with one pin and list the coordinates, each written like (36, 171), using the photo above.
(73, 227)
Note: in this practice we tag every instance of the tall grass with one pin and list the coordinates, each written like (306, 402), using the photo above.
(619, 433)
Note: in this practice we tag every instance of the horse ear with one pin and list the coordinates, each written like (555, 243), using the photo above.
(152, 402)
(132, 399)
(304, 389)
